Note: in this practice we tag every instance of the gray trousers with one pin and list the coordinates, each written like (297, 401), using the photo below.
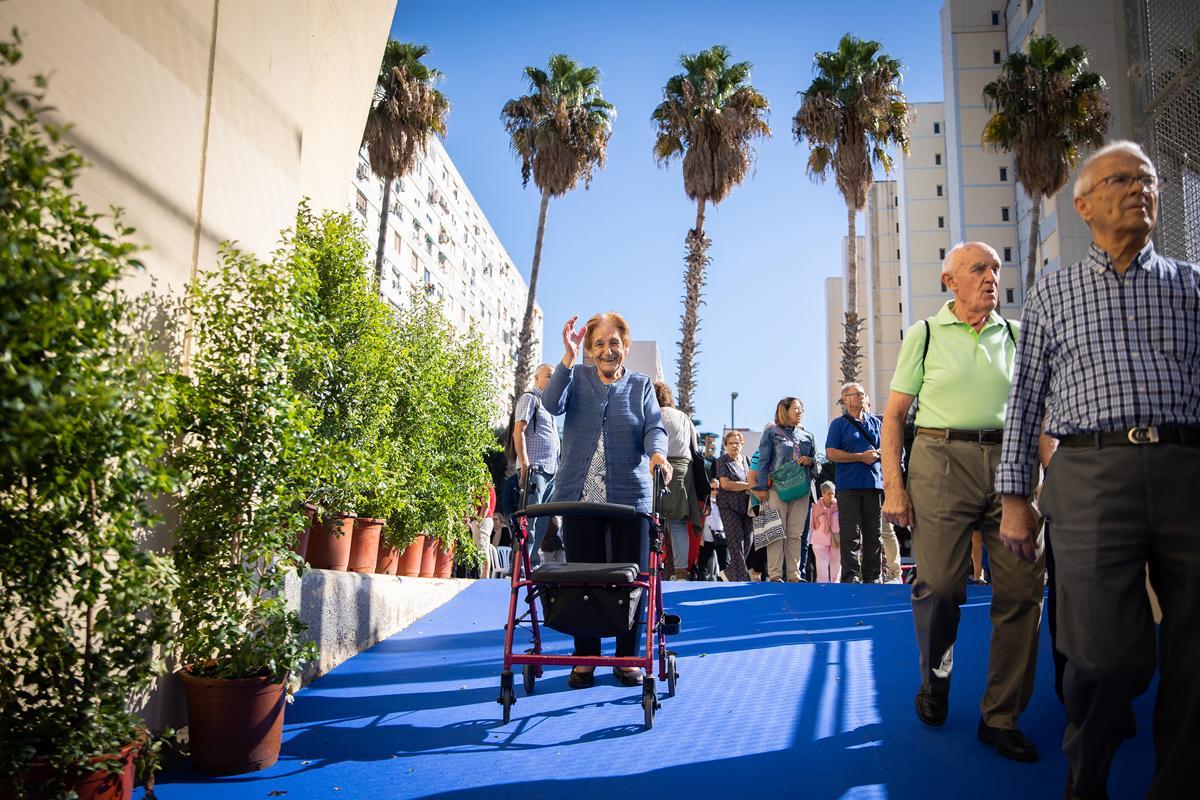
(951, 486)
(1114, 511)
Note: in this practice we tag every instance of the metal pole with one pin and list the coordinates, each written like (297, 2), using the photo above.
(732, 397)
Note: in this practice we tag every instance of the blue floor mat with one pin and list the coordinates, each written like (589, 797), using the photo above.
(800, 690)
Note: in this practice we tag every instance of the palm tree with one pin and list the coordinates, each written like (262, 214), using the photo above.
(850, 115)
(406, 109)
(560, 131)
(709, 117)
(1045, 106)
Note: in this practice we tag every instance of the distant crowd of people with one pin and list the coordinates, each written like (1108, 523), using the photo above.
(1064, 446)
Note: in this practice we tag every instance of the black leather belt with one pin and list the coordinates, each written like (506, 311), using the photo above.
(1146, 434)
(979, 437)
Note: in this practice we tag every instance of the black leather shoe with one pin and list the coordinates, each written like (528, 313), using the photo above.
(581, 680)
(931, 709)
(629, 677)
(1010, 743)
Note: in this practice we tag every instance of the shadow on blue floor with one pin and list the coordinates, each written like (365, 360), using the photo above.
(784, 690)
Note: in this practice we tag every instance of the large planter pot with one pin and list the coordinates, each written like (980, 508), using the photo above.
(364, 544)
(234, 725)
(444, 566)
(387, 561)
(329, 544)
(301, 544)
(410, 559)
(429, 553)
(87, 781)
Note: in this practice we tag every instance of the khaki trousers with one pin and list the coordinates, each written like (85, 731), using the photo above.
(950, 484)
(783, 555)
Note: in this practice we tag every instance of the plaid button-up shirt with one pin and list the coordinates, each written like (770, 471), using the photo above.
(1103, 352)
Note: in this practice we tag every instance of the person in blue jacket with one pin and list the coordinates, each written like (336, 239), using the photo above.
(613, 437)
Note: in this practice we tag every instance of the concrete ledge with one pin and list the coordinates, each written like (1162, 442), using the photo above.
(347, 612)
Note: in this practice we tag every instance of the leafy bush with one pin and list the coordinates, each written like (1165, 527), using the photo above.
(247, 447)
(84, 401)
(441, 427)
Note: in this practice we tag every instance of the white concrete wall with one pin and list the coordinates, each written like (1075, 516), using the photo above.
(197, 155)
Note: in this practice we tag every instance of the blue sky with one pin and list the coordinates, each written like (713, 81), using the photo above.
(619, 245)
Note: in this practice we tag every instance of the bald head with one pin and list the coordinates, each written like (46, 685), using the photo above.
(972, 272)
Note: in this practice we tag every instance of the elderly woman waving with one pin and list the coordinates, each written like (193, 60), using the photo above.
(613, 437)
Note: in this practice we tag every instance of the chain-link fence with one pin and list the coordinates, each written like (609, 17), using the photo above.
(1172, 73)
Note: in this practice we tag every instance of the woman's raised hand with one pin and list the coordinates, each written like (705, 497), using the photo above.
(572, 341)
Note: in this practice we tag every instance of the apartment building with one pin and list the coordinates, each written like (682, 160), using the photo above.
(882, 291)
(440, 244)
(924, 213)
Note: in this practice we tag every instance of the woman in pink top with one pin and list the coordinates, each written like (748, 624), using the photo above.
(824, 531)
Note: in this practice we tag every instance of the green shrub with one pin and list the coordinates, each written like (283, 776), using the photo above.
(247, 449)
(84, 403)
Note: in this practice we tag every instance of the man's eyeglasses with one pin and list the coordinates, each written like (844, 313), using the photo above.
(853, 394)
(1123, 182)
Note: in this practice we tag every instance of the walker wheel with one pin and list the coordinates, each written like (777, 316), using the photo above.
(649, 701)
(507, 695)
(529, 676)
(672, 675)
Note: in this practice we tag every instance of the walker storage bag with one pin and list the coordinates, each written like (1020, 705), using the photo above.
(601, 608)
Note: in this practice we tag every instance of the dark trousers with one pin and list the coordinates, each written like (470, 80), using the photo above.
(1114, 512)
(596, 541)
(858, 514)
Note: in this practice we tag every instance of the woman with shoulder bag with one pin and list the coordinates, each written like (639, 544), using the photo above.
(786, 455)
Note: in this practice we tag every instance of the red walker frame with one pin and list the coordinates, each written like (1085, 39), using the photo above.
(658, 624)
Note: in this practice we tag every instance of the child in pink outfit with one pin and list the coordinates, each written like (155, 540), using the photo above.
(824, 530)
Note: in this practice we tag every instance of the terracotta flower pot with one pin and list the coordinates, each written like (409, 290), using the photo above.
(329, 544)
(387, 561)
(88, 783)
(444, 567)
(429, 557)
(234, 725)
(364, 544)
(300, 546)
(410, 559)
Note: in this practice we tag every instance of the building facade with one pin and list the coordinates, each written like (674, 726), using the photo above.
(440, 244)
(924, 213)
(883, 290)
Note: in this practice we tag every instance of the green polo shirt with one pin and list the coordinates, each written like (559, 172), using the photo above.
(966, 377)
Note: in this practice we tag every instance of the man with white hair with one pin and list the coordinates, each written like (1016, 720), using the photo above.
(853, 444)
(959, 363)
(1111, 354)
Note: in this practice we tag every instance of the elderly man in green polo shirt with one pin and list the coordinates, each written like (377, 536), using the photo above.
(959, 363)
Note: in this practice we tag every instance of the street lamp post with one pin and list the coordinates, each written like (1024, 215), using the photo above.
(732, 397)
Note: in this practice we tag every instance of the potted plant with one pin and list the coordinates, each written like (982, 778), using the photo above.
(85, 403)
(344, 370)
(247, 446)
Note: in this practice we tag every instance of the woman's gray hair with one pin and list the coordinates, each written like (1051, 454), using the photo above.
(1084, 182)
(828, 486)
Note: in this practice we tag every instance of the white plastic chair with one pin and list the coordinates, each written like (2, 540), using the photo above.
(500, 561)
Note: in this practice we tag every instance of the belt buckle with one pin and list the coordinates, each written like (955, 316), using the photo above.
(1145, 434)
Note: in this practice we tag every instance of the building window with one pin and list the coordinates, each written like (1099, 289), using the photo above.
(902, 334)
(937, 158)
(901, 307)
(898, 280)
(942, 224)
(937, 127)
(360, 204)
(995, 18)
(897, 253)
(1008, 295)
(939, 190)
(396, 241)
(941, 254)
(896, 201)
(1004, 174)
(995, 56)
(897, 227)
(1004, 213)
(1008, 255)
(416, 263)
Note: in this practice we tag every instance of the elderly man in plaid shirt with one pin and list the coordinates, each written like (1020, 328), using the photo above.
(1110, 355)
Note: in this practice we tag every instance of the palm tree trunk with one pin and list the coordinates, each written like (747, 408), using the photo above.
(850, 353)
(525, 350)
(383, 215)
(1035, 233)
(697, 259)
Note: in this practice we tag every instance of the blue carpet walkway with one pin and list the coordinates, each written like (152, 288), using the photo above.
(784, 691)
